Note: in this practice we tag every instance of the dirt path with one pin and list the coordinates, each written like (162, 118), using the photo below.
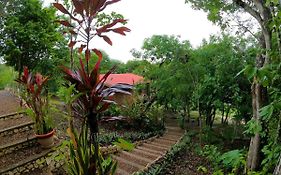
(8, 103)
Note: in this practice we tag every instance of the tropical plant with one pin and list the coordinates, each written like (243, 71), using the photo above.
(37, 100)
(142, 116)
(94, 96)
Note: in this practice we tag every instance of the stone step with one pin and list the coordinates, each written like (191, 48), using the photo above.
(134, 158)
(120, 171)
(145, 154)
(23, 161)
(127, 165)
(149, 150)
(20, 127)
(172, 135)
(16, 134)
(164, 146)
(18, 144)
(154, 147)
(163, 140)
(12, 115)
(11, 122)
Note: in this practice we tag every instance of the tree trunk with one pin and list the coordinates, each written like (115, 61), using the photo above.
(226, 115)
(277, 170)
(222, 114)
(253, 154)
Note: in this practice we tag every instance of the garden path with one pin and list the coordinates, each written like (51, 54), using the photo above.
(147, 153)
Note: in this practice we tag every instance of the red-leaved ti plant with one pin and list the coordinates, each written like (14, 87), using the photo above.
(36, 101)
(94, 96)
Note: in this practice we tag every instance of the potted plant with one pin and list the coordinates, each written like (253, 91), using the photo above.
(38, 107)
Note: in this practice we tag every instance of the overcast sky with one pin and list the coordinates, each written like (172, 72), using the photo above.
(149, 17)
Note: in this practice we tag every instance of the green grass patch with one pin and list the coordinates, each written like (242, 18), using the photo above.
(7, 77)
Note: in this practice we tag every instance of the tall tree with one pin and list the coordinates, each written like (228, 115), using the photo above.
(164, 48)
(260, 11)
(29, 36)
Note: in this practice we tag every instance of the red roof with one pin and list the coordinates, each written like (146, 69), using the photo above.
(127, 78)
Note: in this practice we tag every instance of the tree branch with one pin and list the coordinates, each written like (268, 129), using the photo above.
(250, 10)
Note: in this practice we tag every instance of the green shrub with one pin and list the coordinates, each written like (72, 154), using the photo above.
(143, 117)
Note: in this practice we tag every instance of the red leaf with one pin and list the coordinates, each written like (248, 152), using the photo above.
(108, 3)
(81, 48)
(78, 7)
(86, 6)
(106, 39)
(99, 54)
(121, 30)
(95, 73)
(60, 8)
(65, 23)
(105, 28)
(100, 5)
(25, 72)
(72, 32)
(87, 55)
(83, 74)
(38, 79)
(71, 43)
(31, 88)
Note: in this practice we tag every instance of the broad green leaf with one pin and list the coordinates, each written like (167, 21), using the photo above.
(125, 145)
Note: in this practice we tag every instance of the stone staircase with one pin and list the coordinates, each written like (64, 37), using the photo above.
(148, 152)
(19, 151)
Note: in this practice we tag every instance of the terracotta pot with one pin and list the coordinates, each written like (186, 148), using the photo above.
(46, 140)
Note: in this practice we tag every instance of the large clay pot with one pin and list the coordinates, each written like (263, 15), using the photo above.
(46, 140)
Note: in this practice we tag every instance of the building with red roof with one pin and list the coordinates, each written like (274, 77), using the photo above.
(127, 78)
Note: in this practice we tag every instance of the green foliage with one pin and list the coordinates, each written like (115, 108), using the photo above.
(233, 159)
(202, 169)
(80, 155)
(144, 117)
(253, 127)
(124, 144)
(7, 76)
(161, 48)
(108, 138)
(211, 152)
(30, 37)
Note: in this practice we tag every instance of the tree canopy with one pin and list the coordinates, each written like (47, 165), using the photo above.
(30, 35)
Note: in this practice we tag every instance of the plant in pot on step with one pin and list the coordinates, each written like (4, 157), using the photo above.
(38, 105)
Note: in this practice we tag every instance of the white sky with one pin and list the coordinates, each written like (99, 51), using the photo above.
(149, 17)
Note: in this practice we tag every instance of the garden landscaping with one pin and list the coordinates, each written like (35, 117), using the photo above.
(20, 153)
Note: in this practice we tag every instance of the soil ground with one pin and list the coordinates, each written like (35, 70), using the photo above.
(188, 163)
(8, 103)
